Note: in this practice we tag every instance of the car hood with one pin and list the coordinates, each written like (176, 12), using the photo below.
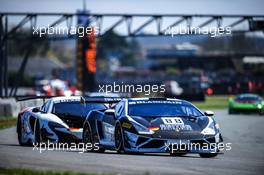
(175, 126)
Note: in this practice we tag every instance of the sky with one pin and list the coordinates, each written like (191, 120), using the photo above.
(241, 7)
(137, 6)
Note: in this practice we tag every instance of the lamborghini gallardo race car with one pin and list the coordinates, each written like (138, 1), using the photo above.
(153, 125)
(60, 119)
(246, 103)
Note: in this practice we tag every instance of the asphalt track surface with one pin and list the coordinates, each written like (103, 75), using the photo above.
(245, 132)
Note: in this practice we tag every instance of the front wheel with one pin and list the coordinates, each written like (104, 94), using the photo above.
(208, 155)
(20, 133)
(88, 139)
(37, 134)
(178, 154)
(119, 141)
(230, 111)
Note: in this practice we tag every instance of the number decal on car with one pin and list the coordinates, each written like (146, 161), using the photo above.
(172, 120)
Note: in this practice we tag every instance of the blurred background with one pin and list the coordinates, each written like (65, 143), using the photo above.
(131, 48)
(127, 44)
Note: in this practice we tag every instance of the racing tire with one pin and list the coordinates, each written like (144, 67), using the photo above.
(37, 134)
(178, 154)
(119, 139)
(87, 138)
(231, 111)
(19, 133)
(208, 155)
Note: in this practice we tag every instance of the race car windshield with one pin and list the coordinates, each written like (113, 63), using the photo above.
(75, 108)
(248, 98)
(162, 110)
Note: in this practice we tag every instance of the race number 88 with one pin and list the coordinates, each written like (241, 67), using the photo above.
(172, 120)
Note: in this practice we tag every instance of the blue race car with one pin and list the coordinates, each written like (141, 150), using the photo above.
(152, 125)
(59, 119)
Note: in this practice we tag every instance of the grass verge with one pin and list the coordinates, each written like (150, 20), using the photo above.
(7, 122)
(19, 171)
(213, 102)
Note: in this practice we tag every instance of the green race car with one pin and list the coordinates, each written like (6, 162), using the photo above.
(246, 103)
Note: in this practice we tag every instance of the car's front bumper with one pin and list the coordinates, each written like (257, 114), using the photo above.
(148, 144)
(246, 106)
(64, 135)
(242, 109)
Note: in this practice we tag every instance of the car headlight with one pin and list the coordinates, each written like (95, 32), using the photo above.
(141, 129)
(210, 128)
(259, 106)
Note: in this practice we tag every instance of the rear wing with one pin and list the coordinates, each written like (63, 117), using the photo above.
(103, 100)
(83, 99)
(25, 98)
(111, 100)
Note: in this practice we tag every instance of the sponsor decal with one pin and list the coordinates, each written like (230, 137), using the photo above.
(126, 125)
(172, 120)
(109, 129)
(175, 127)
(66, 100)
(154, 102)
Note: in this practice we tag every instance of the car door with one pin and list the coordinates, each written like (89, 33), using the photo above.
(108, 124)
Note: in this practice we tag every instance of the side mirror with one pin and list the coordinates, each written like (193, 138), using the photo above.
(209, 113)
(36, 109)
(110, 112)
